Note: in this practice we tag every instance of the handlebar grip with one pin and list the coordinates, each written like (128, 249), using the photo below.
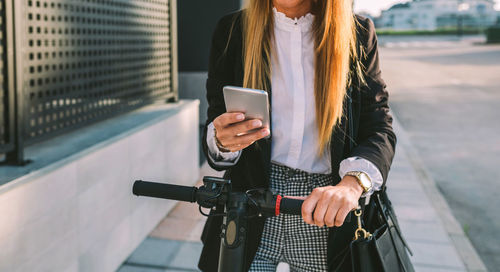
(291, 206)
(294, 206)
(166, 191)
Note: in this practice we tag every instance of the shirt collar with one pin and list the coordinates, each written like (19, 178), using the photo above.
(286, 23)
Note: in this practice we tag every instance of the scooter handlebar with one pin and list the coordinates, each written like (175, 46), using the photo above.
(166, 191)
(291, 206)
(190, 194)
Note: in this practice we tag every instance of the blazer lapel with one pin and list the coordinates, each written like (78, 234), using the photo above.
(337, 144)
(264, 144)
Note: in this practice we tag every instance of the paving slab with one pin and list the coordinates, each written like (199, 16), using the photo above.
(428, 268)
(155, 252)
(187, 256)
(455, 243)
(129, 268)
(424, 232)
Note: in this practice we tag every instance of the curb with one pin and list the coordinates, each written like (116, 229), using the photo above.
(460, 241)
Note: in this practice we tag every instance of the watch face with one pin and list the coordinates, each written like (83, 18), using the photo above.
(365, 180)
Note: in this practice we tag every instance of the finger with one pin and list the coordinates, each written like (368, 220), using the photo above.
(246, 139)
(322, 206)
(228, 118)
(309, 205)
(296, 197)
(332, 212)
(341, 215)
(243, 127)
(238, 129)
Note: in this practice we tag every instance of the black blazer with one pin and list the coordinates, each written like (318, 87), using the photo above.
(373, 134)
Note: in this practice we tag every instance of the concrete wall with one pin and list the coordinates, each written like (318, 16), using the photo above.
(79, 214)
(192, 86)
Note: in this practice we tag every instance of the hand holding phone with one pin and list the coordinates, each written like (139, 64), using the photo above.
(246, 119)
(235, 133)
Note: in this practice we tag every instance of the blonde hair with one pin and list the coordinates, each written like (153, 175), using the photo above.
(334, 31)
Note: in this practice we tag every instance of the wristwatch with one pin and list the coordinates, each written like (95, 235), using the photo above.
(362, 178)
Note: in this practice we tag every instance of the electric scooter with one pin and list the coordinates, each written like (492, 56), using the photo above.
(237, 206)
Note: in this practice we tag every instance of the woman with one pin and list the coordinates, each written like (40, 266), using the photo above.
(306, 54)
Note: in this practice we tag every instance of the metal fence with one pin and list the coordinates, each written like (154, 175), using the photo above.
(80, 61)
(6, 93)
(3, 89)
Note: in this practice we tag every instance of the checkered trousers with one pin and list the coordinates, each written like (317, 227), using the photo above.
(287, 238)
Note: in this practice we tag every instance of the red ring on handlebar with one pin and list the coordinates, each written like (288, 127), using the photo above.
(278, 202)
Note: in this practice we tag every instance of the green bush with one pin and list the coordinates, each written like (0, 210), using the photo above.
(493, 34)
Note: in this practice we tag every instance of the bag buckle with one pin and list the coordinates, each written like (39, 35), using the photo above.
(360, 231)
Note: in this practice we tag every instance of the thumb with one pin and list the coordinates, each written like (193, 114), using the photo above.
(296, 197)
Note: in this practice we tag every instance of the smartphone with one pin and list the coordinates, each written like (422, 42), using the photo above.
(252, 102)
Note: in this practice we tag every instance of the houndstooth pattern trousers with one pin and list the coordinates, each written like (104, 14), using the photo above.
(287, 238)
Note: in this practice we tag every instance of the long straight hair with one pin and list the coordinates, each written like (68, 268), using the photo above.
(334, 31)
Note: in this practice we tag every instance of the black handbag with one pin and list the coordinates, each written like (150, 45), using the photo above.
(378, 244)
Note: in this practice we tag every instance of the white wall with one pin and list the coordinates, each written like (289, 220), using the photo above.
(192, 86)
(79, 214)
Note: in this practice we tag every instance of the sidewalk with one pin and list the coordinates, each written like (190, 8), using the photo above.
(437, 240)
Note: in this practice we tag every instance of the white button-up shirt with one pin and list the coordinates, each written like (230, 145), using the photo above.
(295, 134)
(294, 131)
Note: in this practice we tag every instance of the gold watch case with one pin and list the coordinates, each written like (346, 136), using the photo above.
(362, 178)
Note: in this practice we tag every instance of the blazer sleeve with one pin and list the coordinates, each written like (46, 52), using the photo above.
(375, 139)
(220, 73)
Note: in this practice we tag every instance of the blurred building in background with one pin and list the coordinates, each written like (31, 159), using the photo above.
(438, 14)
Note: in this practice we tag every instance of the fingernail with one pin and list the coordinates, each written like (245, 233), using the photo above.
(265, 132)
(240, 117)
(256, 123)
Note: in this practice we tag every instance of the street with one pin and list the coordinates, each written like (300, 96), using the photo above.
(446, 94)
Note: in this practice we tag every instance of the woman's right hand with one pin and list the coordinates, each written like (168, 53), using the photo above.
(232, 131)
